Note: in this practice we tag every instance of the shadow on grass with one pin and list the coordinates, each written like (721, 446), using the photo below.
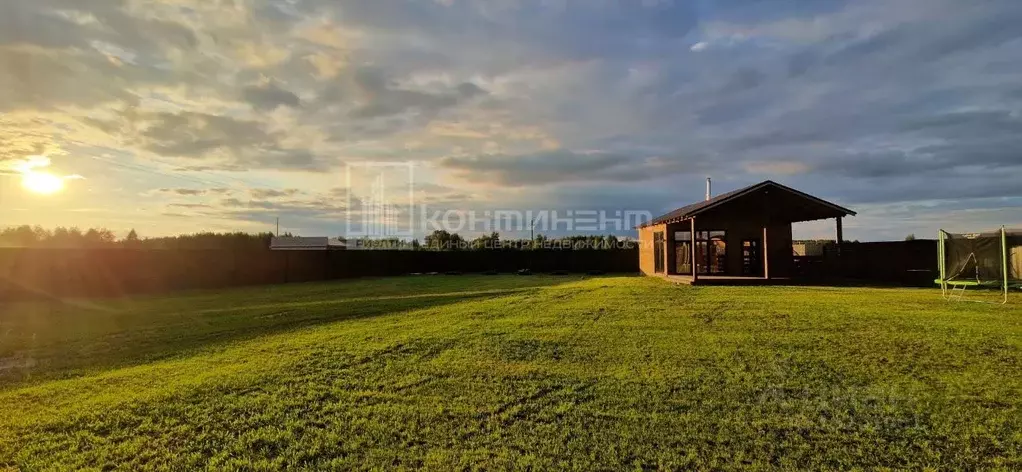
(811, 282)
(62, 339)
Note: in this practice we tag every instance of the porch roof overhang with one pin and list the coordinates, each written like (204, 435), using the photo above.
(767, 199)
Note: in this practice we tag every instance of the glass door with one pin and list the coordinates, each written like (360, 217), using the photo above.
(683, 252)
(752, 260)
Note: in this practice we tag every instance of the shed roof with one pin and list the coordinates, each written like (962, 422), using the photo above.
(299, 243)
(689, 211)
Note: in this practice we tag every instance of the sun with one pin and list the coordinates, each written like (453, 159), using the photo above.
(42, 182)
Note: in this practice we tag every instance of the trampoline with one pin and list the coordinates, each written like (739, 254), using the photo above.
(991, 260)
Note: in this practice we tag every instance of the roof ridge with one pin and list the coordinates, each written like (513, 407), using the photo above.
(690, 210)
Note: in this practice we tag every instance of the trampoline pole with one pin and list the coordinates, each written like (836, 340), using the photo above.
(1004, 263)
(940, 262)
(943, 257)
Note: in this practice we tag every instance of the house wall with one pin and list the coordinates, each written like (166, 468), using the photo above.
(782, 258)
(778, 246)
(646, 262)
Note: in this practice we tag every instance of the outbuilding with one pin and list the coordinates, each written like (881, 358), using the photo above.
(306, 243)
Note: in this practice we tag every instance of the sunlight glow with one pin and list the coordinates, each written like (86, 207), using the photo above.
(42, 182)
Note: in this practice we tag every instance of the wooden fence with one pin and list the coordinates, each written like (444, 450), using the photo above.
(907, 263)
(112, 272)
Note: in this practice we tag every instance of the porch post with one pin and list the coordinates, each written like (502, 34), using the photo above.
(670, 267)
(840, 235)
(692, 246)
(766, 254)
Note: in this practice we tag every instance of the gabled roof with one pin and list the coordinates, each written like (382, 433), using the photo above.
(694, 209)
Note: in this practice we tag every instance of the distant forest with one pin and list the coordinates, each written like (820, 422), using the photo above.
(61, 237)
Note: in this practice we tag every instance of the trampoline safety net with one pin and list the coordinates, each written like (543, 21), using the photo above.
(973, 257)
(991, 260)
(986, 258)
(1014, 238)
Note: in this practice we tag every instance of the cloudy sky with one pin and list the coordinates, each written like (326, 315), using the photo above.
(186, 115)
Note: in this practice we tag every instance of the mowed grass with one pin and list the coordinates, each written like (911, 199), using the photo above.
(501, 372)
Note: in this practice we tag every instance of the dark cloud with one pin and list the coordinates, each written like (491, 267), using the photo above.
(190, 134)
(537, 169)
(56, 52)
(221, 142)
(37, 80)
(269, 96)
(559, 29)
(986, 31)
(741, 80)
(183, 191)
(432, 194)
(191, 192)
(801, 63)
(564, 166)
(965, 124)
(319, 206)
(754, 11)
(986, 140)
(469, 90)
(380, 97)
(63, 24)
(18, 140)
(271, 193)
(25, 24)
(947, 190)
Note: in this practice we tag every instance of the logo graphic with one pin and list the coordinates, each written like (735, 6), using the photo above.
(380, 199)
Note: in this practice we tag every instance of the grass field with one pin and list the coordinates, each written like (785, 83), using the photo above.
(463, 372)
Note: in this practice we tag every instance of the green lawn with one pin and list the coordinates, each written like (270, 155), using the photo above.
(466, 372)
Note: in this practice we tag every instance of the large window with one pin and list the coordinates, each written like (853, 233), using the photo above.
(683, 252)
(658, 252)
(711, 252)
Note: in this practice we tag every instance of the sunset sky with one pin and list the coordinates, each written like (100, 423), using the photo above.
(190, 115)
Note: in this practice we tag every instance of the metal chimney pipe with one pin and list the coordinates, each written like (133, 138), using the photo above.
(709, 194)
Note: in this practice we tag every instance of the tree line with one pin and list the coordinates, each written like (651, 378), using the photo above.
(63, 237)
(440, 240)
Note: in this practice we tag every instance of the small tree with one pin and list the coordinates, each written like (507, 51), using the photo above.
(910, 237)
(538, 241)
(440, 240)
(610, 242)
(131, 240)
(98, 237)
(487, 241)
